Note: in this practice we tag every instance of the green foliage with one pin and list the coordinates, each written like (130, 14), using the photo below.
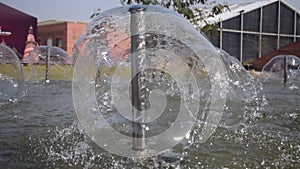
(185, 8)
(218, 9)
(210, 29)
(96, 13)
(180, 6)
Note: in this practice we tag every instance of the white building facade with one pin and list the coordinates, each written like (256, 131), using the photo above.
(249, 31)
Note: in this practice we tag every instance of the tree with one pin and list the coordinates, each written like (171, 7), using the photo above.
(180, 6)
(187, 9)
(95, 13)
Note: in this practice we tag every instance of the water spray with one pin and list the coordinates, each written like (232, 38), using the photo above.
(135, 112)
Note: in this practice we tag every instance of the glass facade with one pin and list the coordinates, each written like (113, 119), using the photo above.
(264, 30)
(298, 24)
(231, 43)
(284, 41)
(268, 44)
(250, 47)
(233, 23)
(214, 38)
(270, 18)
(287, 20)
(252, 20)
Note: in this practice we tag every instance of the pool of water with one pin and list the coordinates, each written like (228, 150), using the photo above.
(41, 131)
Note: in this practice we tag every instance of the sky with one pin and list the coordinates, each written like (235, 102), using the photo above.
(81, 10)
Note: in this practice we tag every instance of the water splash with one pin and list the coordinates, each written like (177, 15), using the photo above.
(12, 87)
(284, 68)
(58, 66)
(69, 147)
(63, 147)
(119, 50)
(244, 94)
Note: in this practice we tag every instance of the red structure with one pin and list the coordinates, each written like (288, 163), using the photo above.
(30, 44)
(62, 34)
(17, 23)
(292, 49)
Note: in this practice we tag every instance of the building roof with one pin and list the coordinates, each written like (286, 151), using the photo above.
(16, 22)
(12, 12)
(54, 22)
(291, 49)
(236, 9)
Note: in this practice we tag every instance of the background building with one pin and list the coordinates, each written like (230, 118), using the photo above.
(252, 30)
(18, 23)
(59, 33)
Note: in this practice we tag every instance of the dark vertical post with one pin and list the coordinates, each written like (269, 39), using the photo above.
(138, 45)
(285, 70)
(47, 65)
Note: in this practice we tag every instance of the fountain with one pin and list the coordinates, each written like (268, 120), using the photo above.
(142, 70)
(48, 62)
(149, 92)
(285, 67)
(12, 86)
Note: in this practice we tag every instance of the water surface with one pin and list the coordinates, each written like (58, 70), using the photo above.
(41, 132)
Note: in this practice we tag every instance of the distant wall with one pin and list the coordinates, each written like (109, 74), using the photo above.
(61, 34)
(18, 24)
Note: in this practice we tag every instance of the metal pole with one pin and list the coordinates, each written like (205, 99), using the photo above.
(137, 45)
(242, 35)
(47, 65)
(285, 70)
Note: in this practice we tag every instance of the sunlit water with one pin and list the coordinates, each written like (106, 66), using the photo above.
(41, 132)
